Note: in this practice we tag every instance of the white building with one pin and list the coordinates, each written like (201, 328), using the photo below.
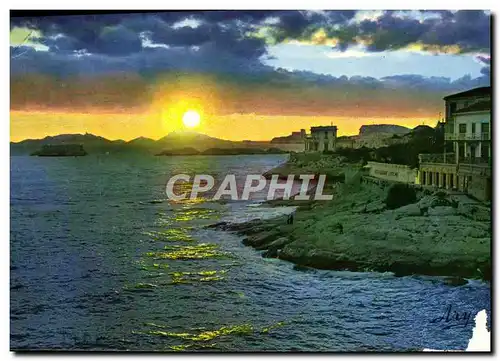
(468, 126)
(471, 133)
(321, 139)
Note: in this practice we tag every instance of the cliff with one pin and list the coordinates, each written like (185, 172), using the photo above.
(385, 135)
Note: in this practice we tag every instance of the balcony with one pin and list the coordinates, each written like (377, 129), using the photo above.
(484, 162)
(475, 168)
(467, 136)
(449, 158)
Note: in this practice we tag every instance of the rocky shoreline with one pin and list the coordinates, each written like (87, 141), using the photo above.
(437, 235)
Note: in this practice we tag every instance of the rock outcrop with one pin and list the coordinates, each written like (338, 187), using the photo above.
(434, 236)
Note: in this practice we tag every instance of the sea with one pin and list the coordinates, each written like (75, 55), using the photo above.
(101, 260)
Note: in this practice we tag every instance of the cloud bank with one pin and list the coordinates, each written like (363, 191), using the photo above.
(116, 61)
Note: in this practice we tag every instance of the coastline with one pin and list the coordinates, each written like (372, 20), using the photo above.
(437, 234)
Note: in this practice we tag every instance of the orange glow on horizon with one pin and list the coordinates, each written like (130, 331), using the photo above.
(172, 98)
(236, 127)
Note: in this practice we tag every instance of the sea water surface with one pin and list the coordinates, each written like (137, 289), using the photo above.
(100, 260)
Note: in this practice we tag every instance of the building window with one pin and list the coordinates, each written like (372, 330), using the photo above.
(473, 128)
(484, 151)
(485, 127)
(453, 107)
(461, 151)
(462, 128)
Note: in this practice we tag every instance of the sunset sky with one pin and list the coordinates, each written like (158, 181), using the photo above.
(249, 74)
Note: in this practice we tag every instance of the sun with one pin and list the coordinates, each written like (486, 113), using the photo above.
(191, 119)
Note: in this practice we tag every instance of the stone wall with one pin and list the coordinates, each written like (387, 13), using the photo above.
(392, 172)
(289, 147)
(471, 179)
(443, 175)
(480, 188)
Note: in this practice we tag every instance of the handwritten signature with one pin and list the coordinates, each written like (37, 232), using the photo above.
(451, 316)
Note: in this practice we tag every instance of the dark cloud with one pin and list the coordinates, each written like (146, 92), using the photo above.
(484, 59)
(445, 14)
(222, 57)
(232, 58)
(339, 16)
(247, 86)
(249, 16)
(292, 24)
(117, 40)
(89, 47)
(486, 71)
(119, 34)
(62, 44)
(223, 39)
(390, 33)
(434, 83)
(468, 29)
(82, 27)
(184, 36)
(92, 33)
(302, 24)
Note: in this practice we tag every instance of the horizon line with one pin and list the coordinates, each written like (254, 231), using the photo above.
(192, 131)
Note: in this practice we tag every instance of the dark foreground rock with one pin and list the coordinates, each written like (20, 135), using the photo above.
(455, 281)
(435, 236)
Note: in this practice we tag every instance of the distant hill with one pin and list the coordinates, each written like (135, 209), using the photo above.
(98, 145)
(382, 128)
(201, 142)
(401, 149)
(142, 142)
(92, 143)
(377, 136)
(370, 136)
(422, 128)
(67, 139)
(420, 131)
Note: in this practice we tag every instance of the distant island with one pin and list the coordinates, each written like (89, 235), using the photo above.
(60, 150)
